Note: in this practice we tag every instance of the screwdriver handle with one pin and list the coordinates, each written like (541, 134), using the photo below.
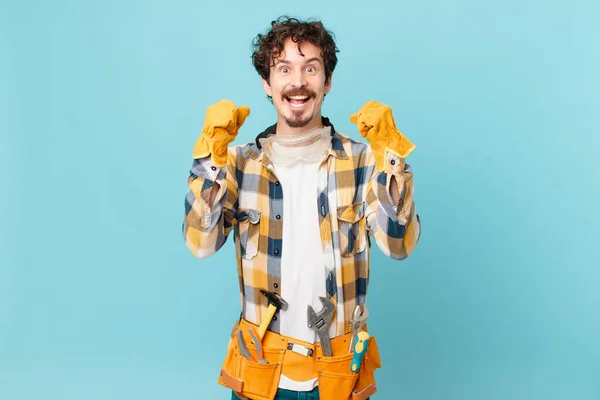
(360, 348)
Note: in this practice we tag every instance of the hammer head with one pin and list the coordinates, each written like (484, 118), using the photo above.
(275, 299)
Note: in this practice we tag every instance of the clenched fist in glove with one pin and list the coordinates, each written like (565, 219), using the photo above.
(221, 125)
(376, 123)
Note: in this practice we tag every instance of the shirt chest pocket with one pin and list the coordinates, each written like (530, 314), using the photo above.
(249, 228)
(352, 229)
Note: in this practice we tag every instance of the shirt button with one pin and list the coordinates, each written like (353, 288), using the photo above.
(275, 285)
(393, 162)
(276, 252)
(213, 168)
(277, 183)
(278, 216)
(274, 318)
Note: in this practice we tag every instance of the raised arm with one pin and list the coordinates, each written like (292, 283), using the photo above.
(211, 201)
(391, 212)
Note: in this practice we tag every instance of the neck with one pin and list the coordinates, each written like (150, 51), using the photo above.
(283, 129)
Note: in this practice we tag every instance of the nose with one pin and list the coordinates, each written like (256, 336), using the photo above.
(298, 79)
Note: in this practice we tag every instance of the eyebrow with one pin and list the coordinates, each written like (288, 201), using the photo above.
(313, 60)
(286, 61)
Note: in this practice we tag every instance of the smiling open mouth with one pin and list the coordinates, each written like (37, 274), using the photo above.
(297, 101)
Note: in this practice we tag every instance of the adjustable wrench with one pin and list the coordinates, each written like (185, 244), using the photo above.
(358, 321)
(320, 323)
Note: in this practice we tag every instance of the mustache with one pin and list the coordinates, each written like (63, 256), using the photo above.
(299, 92)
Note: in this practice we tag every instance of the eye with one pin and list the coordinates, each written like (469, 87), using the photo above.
(310, 70)
(284, 70)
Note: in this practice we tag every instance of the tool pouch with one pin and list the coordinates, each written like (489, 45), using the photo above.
(336, 379)
(250, 378)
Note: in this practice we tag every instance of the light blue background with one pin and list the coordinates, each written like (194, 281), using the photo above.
(101, 103)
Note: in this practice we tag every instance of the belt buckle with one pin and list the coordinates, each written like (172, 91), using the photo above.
(303, 350)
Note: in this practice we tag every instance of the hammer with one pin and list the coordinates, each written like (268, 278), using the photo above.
(275, 303)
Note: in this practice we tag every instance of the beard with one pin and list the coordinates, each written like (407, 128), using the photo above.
(296, 121)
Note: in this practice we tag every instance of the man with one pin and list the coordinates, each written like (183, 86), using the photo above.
(302, 200)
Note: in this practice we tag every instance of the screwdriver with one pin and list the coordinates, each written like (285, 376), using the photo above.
(360, 348)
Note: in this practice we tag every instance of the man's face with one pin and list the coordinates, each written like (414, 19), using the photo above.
(297, 85)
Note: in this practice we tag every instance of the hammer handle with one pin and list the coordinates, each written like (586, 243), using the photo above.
(266, 321)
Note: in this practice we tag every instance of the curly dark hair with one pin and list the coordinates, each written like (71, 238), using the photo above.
(269, 46)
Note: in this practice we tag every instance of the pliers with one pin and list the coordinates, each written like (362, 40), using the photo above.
(244, 349)
(361, 313)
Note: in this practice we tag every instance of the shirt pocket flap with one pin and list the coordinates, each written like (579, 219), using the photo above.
(351, 213)
(249, 231)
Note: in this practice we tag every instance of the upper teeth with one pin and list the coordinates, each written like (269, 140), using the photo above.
(298, 97)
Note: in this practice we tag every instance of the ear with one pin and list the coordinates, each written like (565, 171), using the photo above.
(328, 84)
(267, 88)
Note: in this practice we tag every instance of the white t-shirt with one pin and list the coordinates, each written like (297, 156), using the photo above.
(303, 271)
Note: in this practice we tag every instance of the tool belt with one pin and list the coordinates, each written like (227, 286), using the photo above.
(299, 361)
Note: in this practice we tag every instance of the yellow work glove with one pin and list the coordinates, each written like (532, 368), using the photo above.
(376, 123)
(221, 125)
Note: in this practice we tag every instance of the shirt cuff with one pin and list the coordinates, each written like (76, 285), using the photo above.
(205, 168)
(395, 165)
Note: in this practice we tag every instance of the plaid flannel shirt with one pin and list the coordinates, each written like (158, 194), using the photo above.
(353, 203)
